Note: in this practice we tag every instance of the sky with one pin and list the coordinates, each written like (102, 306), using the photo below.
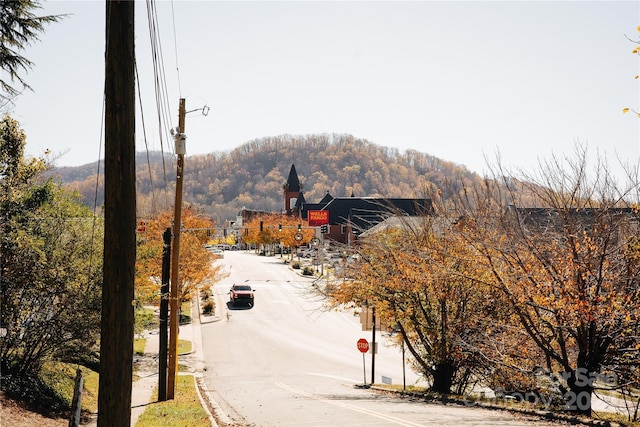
(466, 82)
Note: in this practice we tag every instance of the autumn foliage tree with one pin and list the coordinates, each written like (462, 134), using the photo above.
(269, 229)
(567, 265)
(417, 277)
(197, 267)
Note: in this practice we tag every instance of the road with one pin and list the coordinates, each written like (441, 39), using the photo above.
(288, 361)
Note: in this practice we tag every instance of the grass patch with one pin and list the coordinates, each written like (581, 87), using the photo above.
(61, 377)
(138, 345)
(185, 312)
(184, 346)
(617, 418)
(399, 387)
(185, 410)
(145, 319)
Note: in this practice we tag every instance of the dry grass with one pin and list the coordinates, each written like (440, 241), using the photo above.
(12, 413)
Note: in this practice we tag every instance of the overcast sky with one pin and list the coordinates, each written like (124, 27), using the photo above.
(458, 80)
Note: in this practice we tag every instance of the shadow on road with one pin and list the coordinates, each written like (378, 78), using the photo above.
(230, 306)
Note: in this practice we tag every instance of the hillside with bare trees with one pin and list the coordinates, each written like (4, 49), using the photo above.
(252, 175)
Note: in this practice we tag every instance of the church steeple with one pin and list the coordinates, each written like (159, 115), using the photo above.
(292, 192)
(293, 183)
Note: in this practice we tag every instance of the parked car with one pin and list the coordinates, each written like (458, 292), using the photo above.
(217, 253)
(307, 253)
(334, 258)
(241, 294)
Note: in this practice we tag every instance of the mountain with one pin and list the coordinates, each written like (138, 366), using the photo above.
(252, 175)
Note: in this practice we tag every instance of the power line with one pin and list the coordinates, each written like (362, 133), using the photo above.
(175, 46)
(161, 97)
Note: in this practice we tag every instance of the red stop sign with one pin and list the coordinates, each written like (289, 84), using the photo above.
(363, 345)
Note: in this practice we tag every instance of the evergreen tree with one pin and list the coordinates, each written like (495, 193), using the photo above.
(19, 27)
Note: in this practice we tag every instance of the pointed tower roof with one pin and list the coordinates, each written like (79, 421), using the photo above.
(326, 199)
(293, 183)
(301, 201)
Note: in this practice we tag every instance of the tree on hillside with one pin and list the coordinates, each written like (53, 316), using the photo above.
(251, 176)
(417, 277)
(50, 266)
(196, 271)
(569, 267)
(19, 27)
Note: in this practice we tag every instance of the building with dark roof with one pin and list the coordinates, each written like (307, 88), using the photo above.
(350, 216)
(623, 222)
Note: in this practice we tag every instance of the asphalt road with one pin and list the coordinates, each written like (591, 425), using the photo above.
(288, 361)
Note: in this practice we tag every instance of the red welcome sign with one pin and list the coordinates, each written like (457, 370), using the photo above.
(317, 218)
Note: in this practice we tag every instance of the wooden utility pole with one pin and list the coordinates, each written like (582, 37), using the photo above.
(373, 344)
(164, 315)
(174, 302)
(116, 336)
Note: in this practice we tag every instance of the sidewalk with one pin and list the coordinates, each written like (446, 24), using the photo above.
(146, 367)
(148, 380)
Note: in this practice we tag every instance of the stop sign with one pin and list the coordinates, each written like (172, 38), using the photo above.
(363, 345)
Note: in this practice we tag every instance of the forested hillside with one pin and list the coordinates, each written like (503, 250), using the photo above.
(252, 175)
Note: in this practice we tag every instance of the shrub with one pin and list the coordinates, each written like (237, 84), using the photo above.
(144, 320)
(307, 271)
(296, 265)
(184, 319)
(208, 307)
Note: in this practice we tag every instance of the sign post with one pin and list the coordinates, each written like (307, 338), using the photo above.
(363, 346)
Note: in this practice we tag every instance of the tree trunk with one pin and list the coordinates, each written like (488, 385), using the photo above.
(444, 371)
(443, 374)
(578, 398)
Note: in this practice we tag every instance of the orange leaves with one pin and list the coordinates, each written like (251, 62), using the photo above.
(195, 262)
(425, 279)
(627, 109)
(270, 229)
